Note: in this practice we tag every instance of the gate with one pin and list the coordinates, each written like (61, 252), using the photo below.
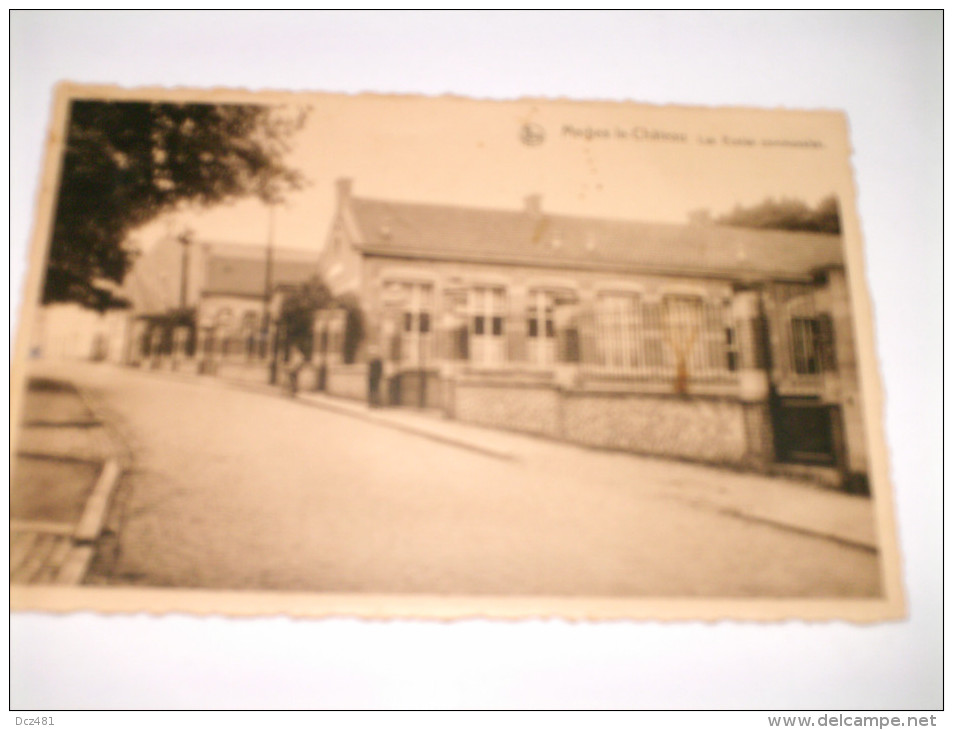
(806, 431)
(415, 388)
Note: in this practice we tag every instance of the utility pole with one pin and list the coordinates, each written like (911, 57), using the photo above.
(266, 315)
(185, 238)
(266, 296)
(178, 319)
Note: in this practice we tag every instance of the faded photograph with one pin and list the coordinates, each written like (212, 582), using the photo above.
(579, 359)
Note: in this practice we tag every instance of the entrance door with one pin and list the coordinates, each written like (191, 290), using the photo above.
(805, 431)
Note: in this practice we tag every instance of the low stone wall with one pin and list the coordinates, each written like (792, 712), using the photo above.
(698, 428)
(710, 429)
(528, 408)
(347, 381)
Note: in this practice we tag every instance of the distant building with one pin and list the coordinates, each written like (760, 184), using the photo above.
(701, 342)
(73, 332)
(208, 301)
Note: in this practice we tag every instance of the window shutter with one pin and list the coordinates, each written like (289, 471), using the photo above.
(761, 342)
(825, 343)
(496, 328)
(652, 323)
(731, 349)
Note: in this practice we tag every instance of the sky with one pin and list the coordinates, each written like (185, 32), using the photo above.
(597, 159)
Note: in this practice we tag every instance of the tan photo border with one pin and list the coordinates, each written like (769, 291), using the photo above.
(233, 603)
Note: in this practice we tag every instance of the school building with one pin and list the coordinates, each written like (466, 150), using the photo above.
(701, 342)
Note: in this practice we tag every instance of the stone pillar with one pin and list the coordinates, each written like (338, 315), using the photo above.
(517, 336)
(586, 327)
(567, 345)
(754, 388)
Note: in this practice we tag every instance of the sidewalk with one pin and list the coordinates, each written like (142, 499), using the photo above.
(787, 503)
(784, 503)
(429, 424)
(63, 475)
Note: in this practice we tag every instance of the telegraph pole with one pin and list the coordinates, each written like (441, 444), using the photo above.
(266, 314)
(178, 318)
(267, 291)
(185, 238)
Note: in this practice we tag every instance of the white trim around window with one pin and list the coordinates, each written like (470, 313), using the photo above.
(487, 311)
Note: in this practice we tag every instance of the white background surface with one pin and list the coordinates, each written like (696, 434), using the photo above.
(884, 69)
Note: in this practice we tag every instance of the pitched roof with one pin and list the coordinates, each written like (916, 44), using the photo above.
(233, 269)
(143, 292)
(541, 238)
(255, 251)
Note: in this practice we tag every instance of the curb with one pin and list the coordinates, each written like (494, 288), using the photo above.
(90, 526)
(322, 401)
(61, 553)
(383, 420)
(316, 400)
(94, 513)
(800, 530)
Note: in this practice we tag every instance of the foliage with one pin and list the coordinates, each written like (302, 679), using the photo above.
(353, 328)
(787, 214)
(127, 162)
(298, 309)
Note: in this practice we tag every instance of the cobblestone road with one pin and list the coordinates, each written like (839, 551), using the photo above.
(233, 489)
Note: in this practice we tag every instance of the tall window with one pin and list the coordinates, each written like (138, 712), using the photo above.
(696, 333)
(541, 327)
(810, 337)
(654, 340)
(619, 324)
(683, 326)
(487, 310)
(416, 323)
(717, 338)
(679, 333)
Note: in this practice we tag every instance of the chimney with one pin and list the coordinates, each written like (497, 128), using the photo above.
(533, 204)
(343, 185)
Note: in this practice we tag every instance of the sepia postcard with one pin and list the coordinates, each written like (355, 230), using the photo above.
(394, 356)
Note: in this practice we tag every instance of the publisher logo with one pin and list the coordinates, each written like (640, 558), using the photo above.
(532, 135)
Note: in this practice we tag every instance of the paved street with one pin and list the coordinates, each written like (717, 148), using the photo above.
(231, 488)
(58, 482)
